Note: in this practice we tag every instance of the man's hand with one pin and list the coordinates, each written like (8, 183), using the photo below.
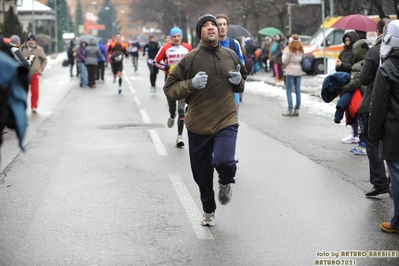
(235, 76)
(200, 80)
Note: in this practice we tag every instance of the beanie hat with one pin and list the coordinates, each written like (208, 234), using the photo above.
(248, 40)
(14, 39)
(390, 39)
(175, 30)
(204, 18)
(31, 37)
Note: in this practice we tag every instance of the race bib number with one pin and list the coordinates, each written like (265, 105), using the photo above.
(150, 61)
(118, 58)
(134, 49)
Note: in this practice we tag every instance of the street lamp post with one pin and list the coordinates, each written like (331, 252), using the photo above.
(289, 16)
(56, 27)
(33, 18)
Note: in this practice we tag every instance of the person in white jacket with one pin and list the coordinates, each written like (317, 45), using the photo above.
(292, 57)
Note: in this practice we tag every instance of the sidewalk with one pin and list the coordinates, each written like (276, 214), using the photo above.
(310, 84)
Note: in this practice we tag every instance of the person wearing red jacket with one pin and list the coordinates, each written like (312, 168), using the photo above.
(166, 59)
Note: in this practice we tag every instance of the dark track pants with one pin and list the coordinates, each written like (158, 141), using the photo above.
(208, 152)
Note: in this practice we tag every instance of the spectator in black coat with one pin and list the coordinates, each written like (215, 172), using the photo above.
(71, 57)
(378, 176)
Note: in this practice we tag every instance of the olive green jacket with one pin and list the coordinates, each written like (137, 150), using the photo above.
(212, 108)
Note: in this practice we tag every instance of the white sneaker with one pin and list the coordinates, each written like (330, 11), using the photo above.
(152, 89)
(208, 219)
(179, 141)
(350, 140)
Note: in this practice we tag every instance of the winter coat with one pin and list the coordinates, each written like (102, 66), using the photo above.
(91, 53)
(70, 53)
(359, 51)
(346, 55)
(384, 108)
(103, 52)
(277, 51)
(332, 84)
(292, 63)
(14, 87)
(80, 58)
(40, 59)
(250, 49)
(14, 52)
(367, 75)
(213, 108)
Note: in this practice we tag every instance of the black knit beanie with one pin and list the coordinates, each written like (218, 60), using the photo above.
(204, 18)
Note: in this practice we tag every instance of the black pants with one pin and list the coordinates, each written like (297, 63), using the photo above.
(153, 74)
(378, 176)
(208, 152)
(91, 73)
(100, 71)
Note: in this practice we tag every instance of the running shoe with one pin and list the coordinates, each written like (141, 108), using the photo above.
(360, 151)
(152, 89)
(350, 140)
(225, 194)
(179, 141)
(120, 90)
(171, 122)
(355, 148)
(208, 219)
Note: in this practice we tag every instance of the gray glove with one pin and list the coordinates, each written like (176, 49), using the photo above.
(235, 76)
(199, 81)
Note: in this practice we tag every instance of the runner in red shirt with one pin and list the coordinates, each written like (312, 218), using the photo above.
(166, 59)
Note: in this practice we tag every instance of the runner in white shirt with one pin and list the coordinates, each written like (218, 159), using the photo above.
(166, 59)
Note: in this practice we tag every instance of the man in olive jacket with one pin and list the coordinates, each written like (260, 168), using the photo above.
(207, 77)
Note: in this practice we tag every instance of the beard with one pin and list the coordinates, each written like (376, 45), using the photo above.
(213, 41)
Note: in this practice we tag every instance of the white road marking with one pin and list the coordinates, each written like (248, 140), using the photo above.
(191, 209)
(136, 78)
(145, 117)
(137, 100)
(158, 143)
(129, 83)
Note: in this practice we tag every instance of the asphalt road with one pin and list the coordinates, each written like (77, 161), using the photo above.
(102, 183)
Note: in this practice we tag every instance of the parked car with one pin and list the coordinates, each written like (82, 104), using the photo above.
(305, 38)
